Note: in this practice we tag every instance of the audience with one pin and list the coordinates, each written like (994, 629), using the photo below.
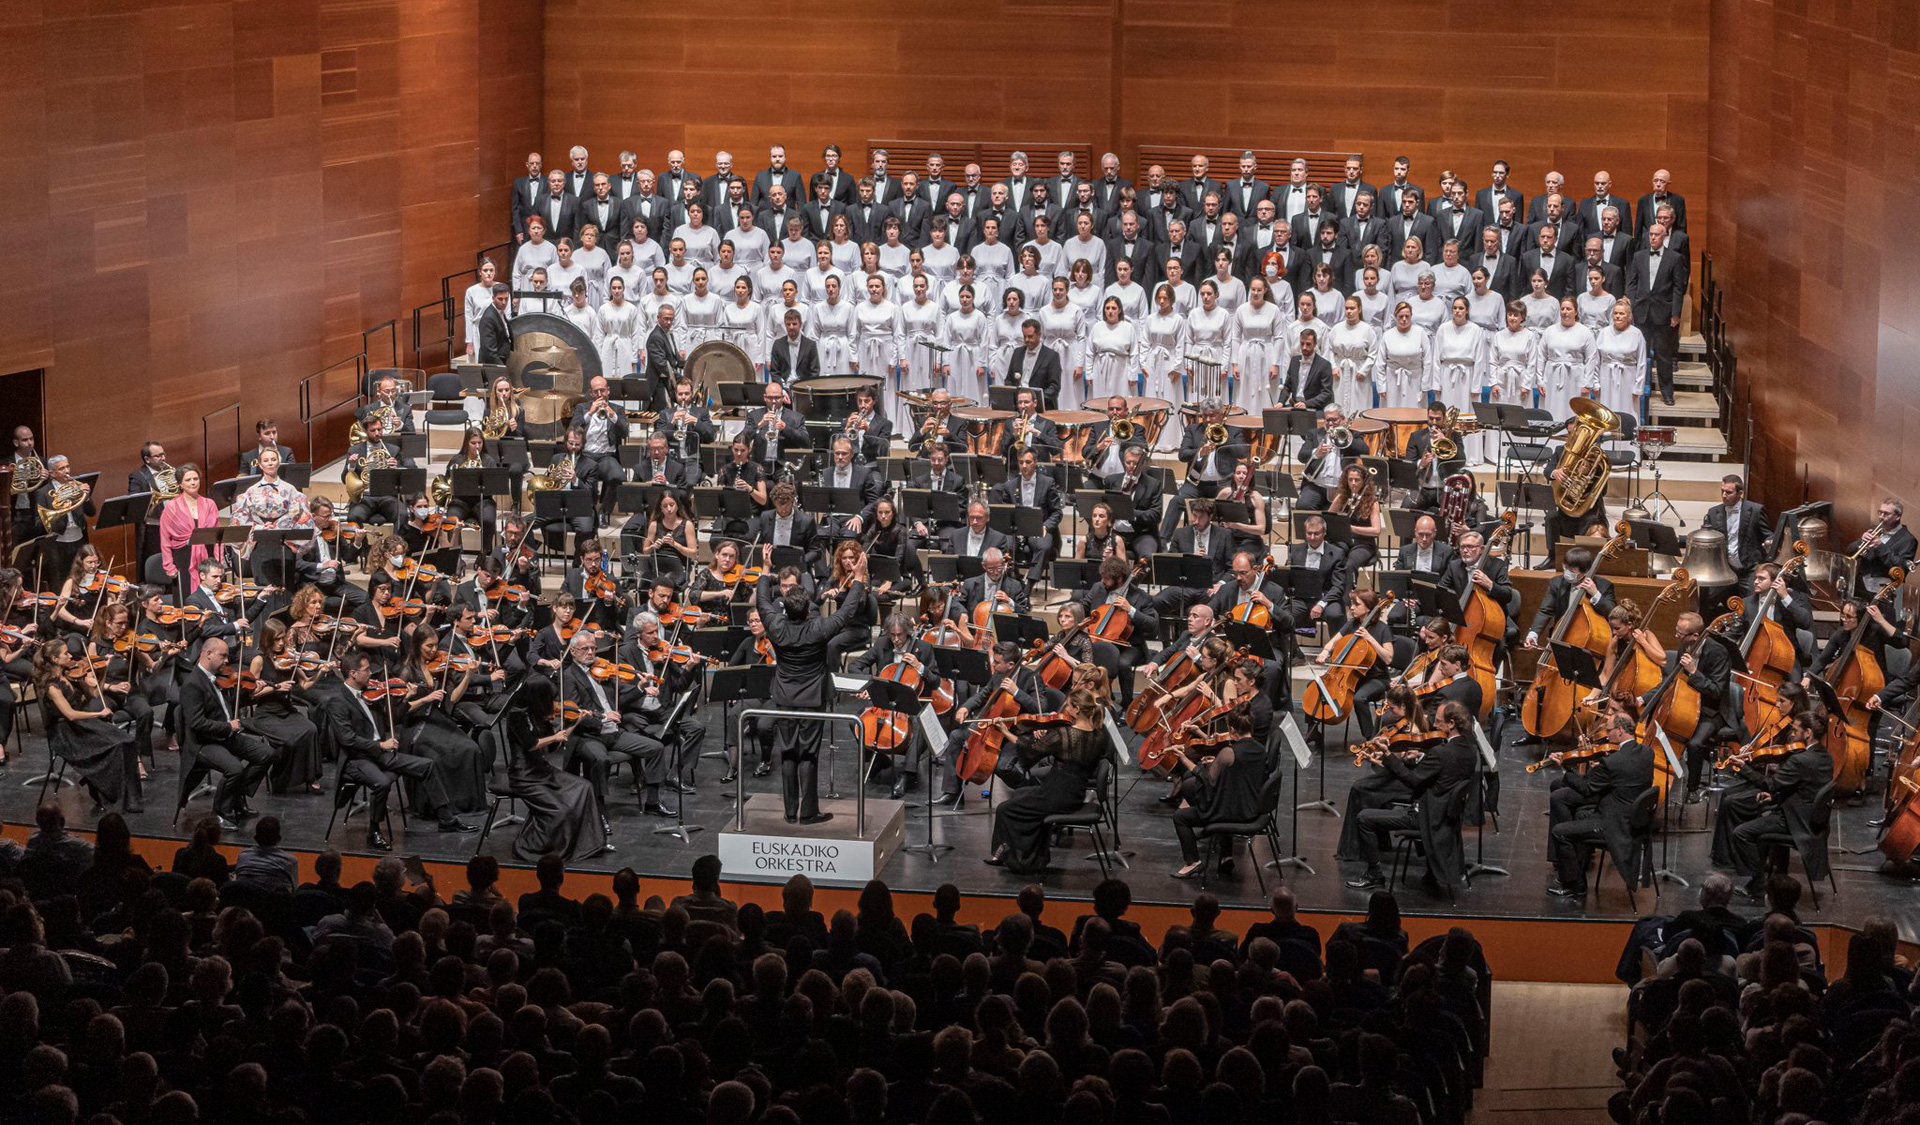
(179, 1000)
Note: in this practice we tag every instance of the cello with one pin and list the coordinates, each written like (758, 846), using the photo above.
(1157, 752)
(1634, 671)
(1767, 650)
(1855, 675)
(1484, 620)
(886, 731)
(1901, 838)
(1549, 703)
(1143, 714)
(1331, 695)
(981, 754)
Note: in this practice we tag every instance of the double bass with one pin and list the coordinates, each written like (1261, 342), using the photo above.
(1767, 650)
(1483, 620)
(1143, 714)
(1157, 754)
(1331, 695)
(1550, 700)
(1855, 676)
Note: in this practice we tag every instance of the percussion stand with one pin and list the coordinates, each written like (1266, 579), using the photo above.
(1207, 375)
(1650, 456)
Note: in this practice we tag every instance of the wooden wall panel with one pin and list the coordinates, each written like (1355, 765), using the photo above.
(223, 195)
(1812, 152)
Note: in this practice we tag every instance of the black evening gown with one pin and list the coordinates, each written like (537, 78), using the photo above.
(563, 816)
(281, 720)
(1019, 821)
(429, 733)
(98, 751)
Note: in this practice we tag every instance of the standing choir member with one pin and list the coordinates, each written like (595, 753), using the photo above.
(1259, 352)
(1353, 349)
(619, 325)
(1621, 354)
(1406, 361)
(920, 325)
(833, 329)
(1460, 369)
(1569, 362)
(1111, 346)
(1163, 350)
(876, 341)
(1210, 336)
(969, 336)
(1513, 359)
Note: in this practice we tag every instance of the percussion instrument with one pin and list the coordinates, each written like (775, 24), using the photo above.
(1404, 421)
(1073, 428)
(1371, 431)
(715, 362)
(1251, 431)
(1153, 414)
(984, 427)
(830, 396)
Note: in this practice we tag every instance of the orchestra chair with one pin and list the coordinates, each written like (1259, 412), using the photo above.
(1221, 835)
(1624, 454)
(347, 791)
(1532, 453)
(1095, 816)
(1640, 824)
(1407, 844)
(1781, 845)
(447, 408)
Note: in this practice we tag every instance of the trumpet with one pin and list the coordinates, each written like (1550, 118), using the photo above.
(29, 474)
(166, 482)
(860, 420)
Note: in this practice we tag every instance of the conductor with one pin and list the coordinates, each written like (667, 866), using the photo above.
(800, 682)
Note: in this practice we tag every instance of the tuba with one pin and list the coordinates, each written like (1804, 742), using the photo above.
(1584, 468)
(29, 475)
(166, 482)
(65, 497)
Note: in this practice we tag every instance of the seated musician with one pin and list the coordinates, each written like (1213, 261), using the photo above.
(871, 430)
(386, 406)
(1249, 534)
(1428, 470)
(1431, 778)
(1322, 462)
(1403, 723)
(323, 561)
(686, 425)
(1314, 555)
(1245, 585)
(1203, 538)
(1560, 525)
(666, 539)
(374, 759)
(1118, 584)
(1603, 810)
(1029, 488)
(743, 474)
(1103, 454)
(1101, 539)
(1028, 430)
(662, 682)
(1424, 553)
(1876, 637)
(887, 537)
(615, 731)
(662, 466)
(1789, 607)
(935, 476)
(848, 561)
(1209, 466)
(1576, 576)
(1376, 636)
(775, 428)
(267, 432)
(847, 474)
(1007, 674)
(479, 510)
(570, 471)
(1134, 480)
(1490, 577)
(1449, 678)
(976, 538)
(377, 447)
(1199, 628)
(996, 581)
(515, 554)
(784, 525)
(897, 642)
(1783, 804)
(594, 590)
(939, 427)
(1232, 780)
(1356, 499)
(1707, 664)
(1020, 835)
(487, 595)
(213, 736)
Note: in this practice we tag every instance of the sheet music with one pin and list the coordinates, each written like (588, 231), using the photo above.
(1673, 760)
(1291, 729)
(849, 683)
(930, 729)
(1487, 758)
(1119, 744)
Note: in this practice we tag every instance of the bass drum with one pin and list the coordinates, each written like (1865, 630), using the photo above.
(715, 362)
(555, 361)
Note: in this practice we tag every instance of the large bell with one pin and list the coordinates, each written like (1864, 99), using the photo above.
(1706, 559)
(1811, 530)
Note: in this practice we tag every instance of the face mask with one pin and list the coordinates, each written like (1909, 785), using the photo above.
(1572, 576)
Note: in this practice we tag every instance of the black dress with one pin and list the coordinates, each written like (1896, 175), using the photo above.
(100, 752)
(279, 719)
(133, 707)
(1019, 821)
(428, 732)
(563, 816)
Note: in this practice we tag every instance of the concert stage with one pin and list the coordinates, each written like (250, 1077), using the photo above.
(1146, 836)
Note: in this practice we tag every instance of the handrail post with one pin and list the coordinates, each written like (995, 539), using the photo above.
(826, 717)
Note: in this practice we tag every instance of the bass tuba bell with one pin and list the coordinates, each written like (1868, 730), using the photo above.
(1584, 467)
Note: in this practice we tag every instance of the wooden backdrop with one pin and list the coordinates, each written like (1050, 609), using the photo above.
(1457, 83)
(206, 203)
(1815, 161)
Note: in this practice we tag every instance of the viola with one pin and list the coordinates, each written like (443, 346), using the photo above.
(604, 670)
(444, 661)
(502, 590)
(100, 581)
(737, 573)
(664, 653)
(1585, 752)
(763, 647)
(174, 615)
(1759, 752)
(1402, 734)
(490, 635)
(598, 585)
(395, 606)
(395, 688)
(137, 642)
(231, 678)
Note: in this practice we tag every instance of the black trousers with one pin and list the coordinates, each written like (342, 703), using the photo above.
(607, 473)
(1190, 489)
(1571, 844)
(1376, 825)
(377, 777)
(367, 507)
(1369, 692)
(596, 752)
(1749, 856)
(555, 531)
(1377, 790)
(1706, 734)
(243, 759)
(1563, 526)
(1663, 348)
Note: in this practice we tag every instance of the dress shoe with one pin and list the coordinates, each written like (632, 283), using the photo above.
(453, 826)
(678, 786)
(1189, 871)
(998, 858)
(1225, 867)
(1368, 881)
(378, 843)
(1560, 890)
(793, 818)
(899, 788)
(1667, 398)
(227, 824)
(763, 769)
(817, 818)
(1695, 796)
(948, 800)
(730, 777)
(655, 808)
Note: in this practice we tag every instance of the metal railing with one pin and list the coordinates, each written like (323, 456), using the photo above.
(315, 417)
(228, 462)
(825, 718)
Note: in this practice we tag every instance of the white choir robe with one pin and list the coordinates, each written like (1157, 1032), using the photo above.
(1488, 310)
(1233, 294)
(703, 245)
(1260, 354)
(700, 317)
(941, 262)
(1135, 304)
(633, 281)
(920, 325)
(743, 325)
(646, 255)
(1451, 281)
(620, 338)
(749, 247)
(1542, 312)
(1086, 298)
(473, 306)
(1329, 305)
(1513, 366)
(1110, 366)
(1460, 370)
(814, 291)
(1162, 357)
(1568, 367)
(1036, 289)
(1064, 329)
(768, 283)
(895, 261)
(587, 319)
(1376, 308)
(1402, 281)
(1406, 366)
(1431, 313)
(1623, 368)
(902, 292)
(833, 333)
(993, 260)
(680, 276)
(595, 267)
(1595, 310)
(1353, 351)
(1092, 249)
(876, 349)
(969, 362)
(773, 325)
(986, 295)
(532, 256)
(560, 278)
(1210, 337)
(1007, 336)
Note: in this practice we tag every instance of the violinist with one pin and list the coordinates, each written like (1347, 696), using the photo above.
(848, 560)
(514, 559)
(1199, 627)
(754, 648)
(1603, 811)
(218, 620)
(75, 610)
(1404, 725)
(785, 525)
(379, 631)
(743, 474)
(1020, 835)
(1143, 488)
(427, 728)
(593, 587)
(492, 598)
(123, 681)
(800, 682)
(1450, 681)
(389, 559)
(603, 430)
(484, 695)
(278, 715)
(686, 424)
(213, 738)
(550, 644)
(844, 474)
(1232, 783)
(664, 678)
(1886, 544)
(614, 732)
(1380, 637)
(16, 652)
(414, 534)
(1782, 804)
(323, 562)
(1029, 488)
(374, 758)
(666, 537)
(1431, 777)
(563, 816)
(1708, 666)
(81, 730)
(1575, 579)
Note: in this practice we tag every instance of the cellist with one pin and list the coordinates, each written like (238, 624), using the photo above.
(1360, 603)
(1576, 574)
(1007, 675)
(1709, 670)
(1630, 643)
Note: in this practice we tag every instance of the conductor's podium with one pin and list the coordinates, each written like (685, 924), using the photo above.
(761, 846)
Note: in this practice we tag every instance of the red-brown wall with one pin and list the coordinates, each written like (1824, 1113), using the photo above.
(208, 202)
(1814, 174)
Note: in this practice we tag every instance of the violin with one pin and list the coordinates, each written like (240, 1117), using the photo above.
(1750, 754)
(571, 712)
(490, 635)
(342, 530)
(1402, 733)
(395, 688)
(325, 624)
(41, 600)
(296, 661)
(137, 642)
(406, 570)
(174, 615)
(763, 647)
(1574, 756)
(233, 591)
(598, 585)
(231, 678)
(444, 661)
(441, 520)
(12, 636)
(751, 575)
(502, 590)
(664, 653)
(110, 583)
(567, 631)
(1038, 722)
(677, 614)
(604, 670)
(395, 606)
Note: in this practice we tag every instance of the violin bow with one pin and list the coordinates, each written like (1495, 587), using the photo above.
(100, 598)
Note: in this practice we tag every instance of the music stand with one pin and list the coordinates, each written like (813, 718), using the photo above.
(1575, 665)
(898, 698)
(1290, 732)
(1656, 537)
(737, 683)
(556, 505)
(679, 829)
(1339, 527)
(1074, 574)
(1190, 572)
(476, 484)
(1320, 730)
(396, 482)
(123, 511)
(1024, 630)
(1003, 397)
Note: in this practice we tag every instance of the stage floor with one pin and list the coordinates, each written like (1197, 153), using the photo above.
(1519, 845)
